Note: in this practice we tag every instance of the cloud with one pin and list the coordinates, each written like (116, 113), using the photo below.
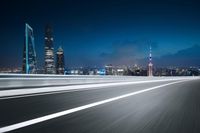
(131, 52)
(126, 52)
(185, 57)
(182, 58)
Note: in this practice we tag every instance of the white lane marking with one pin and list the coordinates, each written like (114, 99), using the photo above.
(66, 112)
(7, 94)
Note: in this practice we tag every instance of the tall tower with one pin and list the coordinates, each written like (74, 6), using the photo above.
(49, 51)
(29, 54)
(60, 64)
(150, 65)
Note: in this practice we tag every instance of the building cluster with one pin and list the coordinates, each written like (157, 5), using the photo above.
(121, 70)
(177, 71)
(58, 67)
(54, 62)
(52, 66)
(134, 70)
(115, 70)
(137, 70)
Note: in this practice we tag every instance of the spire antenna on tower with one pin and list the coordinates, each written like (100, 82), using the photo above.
(150, 65)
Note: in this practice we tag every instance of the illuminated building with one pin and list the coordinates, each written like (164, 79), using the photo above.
(60, 64)
(49, 51)
(109, 69)
(29, 54)
(150, 65)
(101, 72)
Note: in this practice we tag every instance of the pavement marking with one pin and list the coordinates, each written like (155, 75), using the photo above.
(19, 93)
(69, 111)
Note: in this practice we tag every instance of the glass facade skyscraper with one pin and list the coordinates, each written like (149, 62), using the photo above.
(49, 51)
(60, 64)
(29, 54)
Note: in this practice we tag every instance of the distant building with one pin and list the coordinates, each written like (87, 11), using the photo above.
(150, 65)
(120, 71)
(109, 69)
(29, 54)
(49, 51)
(60, 64)
(11, 70)
(100, 72)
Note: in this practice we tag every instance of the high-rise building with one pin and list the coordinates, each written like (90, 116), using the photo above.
(60, 64)
(49, 51)
(29, 54)
(150, 65)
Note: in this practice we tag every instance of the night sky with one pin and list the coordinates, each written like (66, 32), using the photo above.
(99, 32)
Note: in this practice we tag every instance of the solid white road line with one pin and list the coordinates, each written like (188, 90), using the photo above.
(16, 93)
(66, 112)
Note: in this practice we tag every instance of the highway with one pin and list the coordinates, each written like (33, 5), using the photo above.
(166, 106)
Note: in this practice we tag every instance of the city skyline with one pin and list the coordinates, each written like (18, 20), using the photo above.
(100, 66)
(94, 34)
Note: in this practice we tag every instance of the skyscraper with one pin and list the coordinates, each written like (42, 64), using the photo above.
(49, 51)
(150, 65)
(29, 54)
(60, 64)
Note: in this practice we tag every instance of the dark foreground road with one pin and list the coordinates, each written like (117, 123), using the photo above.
(171, 109)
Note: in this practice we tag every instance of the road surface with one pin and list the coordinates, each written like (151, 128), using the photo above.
(157, 107)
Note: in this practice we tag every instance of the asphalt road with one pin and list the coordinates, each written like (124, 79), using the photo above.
(170, 109)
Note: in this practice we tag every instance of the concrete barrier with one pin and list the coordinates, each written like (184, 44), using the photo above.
(20, 81)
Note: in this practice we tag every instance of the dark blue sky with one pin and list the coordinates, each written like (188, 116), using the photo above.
(99, 32)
